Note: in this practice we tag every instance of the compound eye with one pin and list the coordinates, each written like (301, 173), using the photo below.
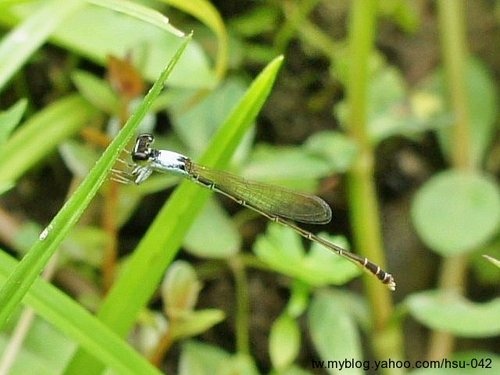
(140, 156)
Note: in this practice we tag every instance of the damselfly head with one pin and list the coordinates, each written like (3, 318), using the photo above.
(138, 169)
(142, 150)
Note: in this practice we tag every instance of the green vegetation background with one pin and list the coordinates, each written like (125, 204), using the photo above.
(387, 109)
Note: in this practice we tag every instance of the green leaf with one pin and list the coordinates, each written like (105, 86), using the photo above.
(209, 15)
(200, 359)
(386, 112)
(338, 149)
(19, 44)
(455, 212)
(77, 157)
(333, 332)
(180, 288)
(41, 134)
(10, 118)
(483, 109)
(203, 359)
(392, 110)
(193, 323)
(141, 12)
(96, 91)
(114, 33)
(387, 92)
(292, 167)
(299, 299)
(196, 126)
(26, 236)
(77, 323)
(452, 313)
(284, 342)
(281, 248)
(201, 241)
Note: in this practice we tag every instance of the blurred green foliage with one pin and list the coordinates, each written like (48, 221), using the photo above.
(454, 212)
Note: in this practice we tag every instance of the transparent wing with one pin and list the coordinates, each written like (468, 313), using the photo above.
(271, 199)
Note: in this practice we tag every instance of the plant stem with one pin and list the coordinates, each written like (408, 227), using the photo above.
(455, 56)
(362, 193)
(242, 306)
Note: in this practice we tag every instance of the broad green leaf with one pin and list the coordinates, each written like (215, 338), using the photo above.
(299, 299)
(196, 322)
(482, 98)
(284, 342)
(96, 91)
(456, 212)
(6, 186)
(453, 313)
(180, 288)
(281, 248)
(196, 126)
(393, 111)
(292, 167)
(337, 148)
(202, 242)
(201, 359)
(334, 333)
(387, 93)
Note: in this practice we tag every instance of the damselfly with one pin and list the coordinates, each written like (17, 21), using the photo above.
(275, 203)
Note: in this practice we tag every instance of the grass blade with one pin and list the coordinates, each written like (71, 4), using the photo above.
(72, 319)
(41, 134)
(140, 12)
(23, 276)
